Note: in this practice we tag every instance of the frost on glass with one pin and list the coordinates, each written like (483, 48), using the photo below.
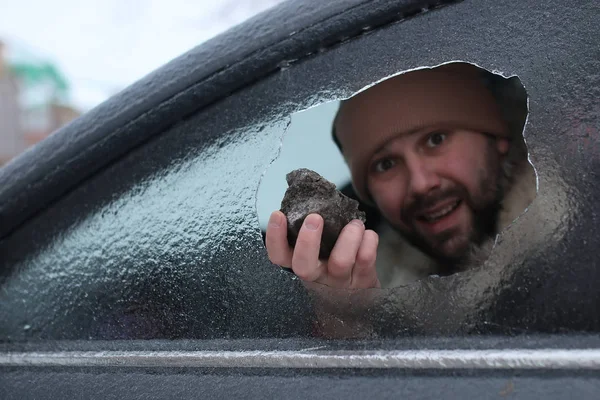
(176, 255)
(424, 301)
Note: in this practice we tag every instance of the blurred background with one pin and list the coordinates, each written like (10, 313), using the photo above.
(60, 58)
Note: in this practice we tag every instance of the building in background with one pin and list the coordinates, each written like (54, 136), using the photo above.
(12, 139)
(34, 101)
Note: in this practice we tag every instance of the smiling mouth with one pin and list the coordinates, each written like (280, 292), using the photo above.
(439, 214)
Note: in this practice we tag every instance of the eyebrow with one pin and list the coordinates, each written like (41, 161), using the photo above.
(395, 136)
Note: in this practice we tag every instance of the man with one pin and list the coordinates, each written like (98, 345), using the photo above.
(444, 163)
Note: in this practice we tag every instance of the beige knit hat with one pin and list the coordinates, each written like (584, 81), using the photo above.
(447, 97)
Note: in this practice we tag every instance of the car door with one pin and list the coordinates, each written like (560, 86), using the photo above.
(131, 258)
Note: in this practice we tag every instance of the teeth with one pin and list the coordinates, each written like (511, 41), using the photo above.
(441, 213)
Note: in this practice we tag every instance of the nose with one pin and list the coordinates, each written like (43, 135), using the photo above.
(423, 178)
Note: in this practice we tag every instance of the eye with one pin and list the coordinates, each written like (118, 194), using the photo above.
(435, 139)
(384, 165)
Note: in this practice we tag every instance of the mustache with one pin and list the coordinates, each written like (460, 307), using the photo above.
(423, 202)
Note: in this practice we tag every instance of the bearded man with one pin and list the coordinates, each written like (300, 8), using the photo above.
(439, 153)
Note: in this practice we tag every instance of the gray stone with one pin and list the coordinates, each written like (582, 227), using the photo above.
(308, 193)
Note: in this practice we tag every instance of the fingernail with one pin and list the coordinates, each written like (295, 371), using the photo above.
(357, 222)
(312, 222)
(275, 220)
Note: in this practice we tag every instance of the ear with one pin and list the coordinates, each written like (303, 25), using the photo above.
(502, 145)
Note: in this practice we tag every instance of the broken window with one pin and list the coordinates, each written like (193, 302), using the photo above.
(435, 156)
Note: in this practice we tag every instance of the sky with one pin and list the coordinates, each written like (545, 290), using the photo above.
(102, 46)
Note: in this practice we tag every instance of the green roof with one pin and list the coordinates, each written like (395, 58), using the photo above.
(33, 74)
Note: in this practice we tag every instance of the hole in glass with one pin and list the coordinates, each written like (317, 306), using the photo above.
(436, 158)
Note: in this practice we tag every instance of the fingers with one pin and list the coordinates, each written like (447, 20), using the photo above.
(343, 256)
(278, 247)
(350, 265)
(364, 274)
(305, 260)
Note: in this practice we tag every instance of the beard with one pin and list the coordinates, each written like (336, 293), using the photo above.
(452, 250)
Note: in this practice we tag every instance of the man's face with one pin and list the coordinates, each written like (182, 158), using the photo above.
(440, 188)
(416, 143)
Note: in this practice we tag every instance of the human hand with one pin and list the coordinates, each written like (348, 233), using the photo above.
(351, 263)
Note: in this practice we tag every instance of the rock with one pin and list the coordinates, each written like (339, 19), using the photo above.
(308, 193)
